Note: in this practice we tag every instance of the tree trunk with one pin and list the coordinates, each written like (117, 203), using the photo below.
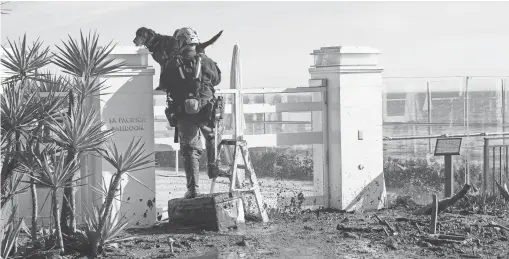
(7, 169)
(33, 190)
(104, 213)
(68, 216)
(35, 207)
(56, 211)
(445, 203)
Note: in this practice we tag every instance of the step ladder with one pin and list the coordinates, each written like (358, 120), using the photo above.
(240, 152)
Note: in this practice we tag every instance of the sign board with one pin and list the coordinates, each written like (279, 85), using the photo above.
(448, 146)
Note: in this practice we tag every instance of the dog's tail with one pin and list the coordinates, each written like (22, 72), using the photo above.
(201, 47)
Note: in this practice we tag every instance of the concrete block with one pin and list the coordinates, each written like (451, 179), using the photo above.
(216, 212)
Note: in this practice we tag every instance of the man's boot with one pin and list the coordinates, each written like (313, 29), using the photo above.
(212, 165)
(211, 144)
(192, 168)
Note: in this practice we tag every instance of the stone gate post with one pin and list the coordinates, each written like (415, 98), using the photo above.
(127, 106)
(354, 112)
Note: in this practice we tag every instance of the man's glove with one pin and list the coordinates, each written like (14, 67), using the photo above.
(170, 116)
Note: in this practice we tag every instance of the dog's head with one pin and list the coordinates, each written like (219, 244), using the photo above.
(143, 36)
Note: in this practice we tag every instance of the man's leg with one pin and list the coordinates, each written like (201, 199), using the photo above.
(211, 144)
(190, 147)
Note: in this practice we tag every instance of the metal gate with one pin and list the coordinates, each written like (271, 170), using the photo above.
(496, 160)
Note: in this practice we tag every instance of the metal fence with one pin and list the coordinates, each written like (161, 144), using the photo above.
(418, 110)
(284, 131)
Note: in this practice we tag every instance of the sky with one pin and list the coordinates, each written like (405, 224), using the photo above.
(276, 38)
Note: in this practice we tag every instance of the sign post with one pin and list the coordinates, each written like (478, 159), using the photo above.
(448, 147)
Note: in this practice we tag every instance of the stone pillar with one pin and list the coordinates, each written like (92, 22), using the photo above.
(127, 106)
(354, 126)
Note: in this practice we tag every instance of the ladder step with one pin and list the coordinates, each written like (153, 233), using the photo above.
(233, 142)
(241, 152)
(224, 170)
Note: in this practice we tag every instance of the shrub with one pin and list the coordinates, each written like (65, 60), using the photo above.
(413, 172)
(280, 163)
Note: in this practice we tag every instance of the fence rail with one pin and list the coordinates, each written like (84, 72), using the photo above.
(315, 108)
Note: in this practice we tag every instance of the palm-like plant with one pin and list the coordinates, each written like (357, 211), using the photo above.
(85, 62)
(19, 109)
(87, 58)
(23, 61)
(22, 111)
(78, 133)
(4, 10)
(19, 104)
(15, 188)
(133, 159)
(55, 173)
(10, 232)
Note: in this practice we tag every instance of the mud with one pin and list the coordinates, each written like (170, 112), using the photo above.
(315, 234)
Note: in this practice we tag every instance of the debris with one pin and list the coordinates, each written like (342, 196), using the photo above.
(358, 229)
(351, 235)
(441, 241)
(308, 228)
(384, 222)
(391, 243)
(242, 242)
(495, 225)
(171, 240)
(194, 238)
(445, 203)
(503, 191)
(423, 243)
(406, 201)
(434, 211)
(449, 236)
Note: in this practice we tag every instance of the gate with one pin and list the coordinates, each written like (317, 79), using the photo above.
(496, 159)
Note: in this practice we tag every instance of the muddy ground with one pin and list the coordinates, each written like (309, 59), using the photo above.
(315, 234)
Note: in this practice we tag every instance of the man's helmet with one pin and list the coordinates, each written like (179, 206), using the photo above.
(187, 36)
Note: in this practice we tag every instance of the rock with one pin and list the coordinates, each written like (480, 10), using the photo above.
(391, 243)
(406, 201)
(351, 235)
(215, 212)
(423, 243)
(345, 220)
(194, 238)
(243, 242)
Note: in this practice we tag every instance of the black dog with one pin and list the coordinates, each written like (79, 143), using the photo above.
(163, 46)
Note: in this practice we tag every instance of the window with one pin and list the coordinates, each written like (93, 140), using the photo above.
(394, 107)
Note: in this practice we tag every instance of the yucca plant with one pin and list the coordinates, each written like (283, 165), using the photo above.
(78, 133)
(14, 189)
(86, 58)
(23, 61)
(133, 159)
(19, 109)
(18, 102)
(55, 173)
(85, 61)
(10, 232)
(4, 10)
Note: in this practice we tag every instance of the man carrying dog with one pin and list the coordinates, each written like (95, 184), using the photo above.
(189, 79)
